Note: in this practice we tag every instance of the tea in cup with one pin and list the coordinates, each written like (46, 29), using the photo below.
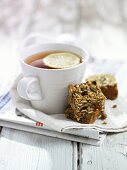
(48, 69)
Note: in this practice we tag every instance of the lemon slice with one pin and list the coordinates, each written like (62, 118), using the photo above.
(61, 60)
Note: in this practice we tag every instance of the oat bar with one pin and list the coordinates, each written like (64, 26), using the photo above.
(107, 83)
(86, 102)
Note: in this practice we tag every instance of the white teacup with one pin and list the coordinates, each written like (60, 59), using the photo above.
(47, 89)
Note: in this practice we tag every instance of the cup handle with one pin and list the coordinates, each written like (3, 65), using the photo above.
(32, 39)
(28, 88)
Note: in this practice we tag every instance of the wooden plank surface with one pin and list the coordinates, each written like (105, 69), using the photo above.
(0, 129)
(21, 150)
(112, 155)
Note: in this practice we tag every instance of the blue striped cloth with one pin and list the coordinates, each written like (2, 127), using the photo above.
(4, 99)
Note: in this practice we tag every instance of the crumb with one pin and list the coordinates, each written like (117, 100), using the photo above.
(103, 116)
(104, 123)
(114, 106)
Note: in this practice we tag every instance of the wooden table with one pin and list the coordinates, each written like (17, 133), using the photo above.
(27, 151)
(21, 150)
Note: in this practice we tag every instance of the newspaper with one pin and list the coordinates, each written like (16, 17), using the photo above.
(10, 117)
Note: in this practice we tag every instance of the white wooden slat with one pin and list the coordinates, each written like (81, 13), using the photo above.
(28, 151)
(75, 156)
(111, 155)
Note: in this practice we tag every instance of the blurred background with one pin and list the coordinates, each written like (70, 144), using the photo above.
(100, 25)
